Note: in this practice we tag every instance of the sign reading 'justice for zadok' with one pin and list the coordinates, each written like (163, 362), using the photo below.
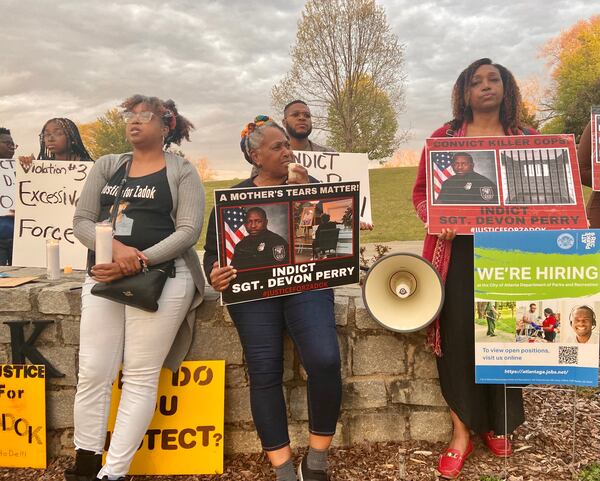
(526, 182)
(288, 239)
(22, 416)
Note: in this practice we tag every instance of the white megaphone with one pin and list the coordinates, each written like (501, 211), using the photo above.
(403, 292)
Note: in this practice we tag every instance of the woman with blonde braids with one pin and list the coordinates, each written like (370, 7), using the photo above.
(59, 140)
(307, 317)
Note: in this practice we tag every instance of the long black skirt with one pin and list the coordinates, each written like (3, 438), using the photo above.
(479, 406)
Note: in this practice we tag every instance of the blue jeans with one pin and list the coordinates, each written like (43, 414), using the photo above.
(6, 249)
(310, 321)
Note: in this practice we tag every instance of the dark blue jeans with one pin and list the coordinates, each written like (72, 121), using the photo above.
(6, 249)
(310, 321)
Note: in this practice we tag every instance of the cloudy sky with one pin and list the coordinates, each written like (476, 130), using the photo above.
(219, 59)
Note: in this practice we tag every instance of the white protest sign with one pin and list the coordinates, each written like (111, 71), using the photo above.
(340, 167)
(47, 193)
(7, 186)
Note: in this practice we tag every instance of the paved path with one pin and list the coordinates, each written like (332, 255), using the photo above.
(413, 247)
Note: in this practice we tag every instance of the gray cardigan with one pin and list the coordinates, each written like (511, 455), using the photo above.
(187, 214)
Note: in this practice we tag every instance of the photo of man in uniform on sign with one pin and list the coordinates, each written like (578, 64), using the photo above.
(456, 182)
(259, 246)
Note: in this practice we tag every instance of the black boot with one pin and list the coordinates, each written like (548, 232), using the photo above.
(87, 465)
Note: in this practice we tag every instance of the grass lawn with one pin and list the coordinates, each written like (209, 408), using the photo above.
(506, 322)
(391, 196)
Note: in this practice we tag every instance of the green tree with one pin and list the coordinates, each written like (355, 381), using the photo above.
(574, 58)
(374, 125)
(106, 135)
(339, 45)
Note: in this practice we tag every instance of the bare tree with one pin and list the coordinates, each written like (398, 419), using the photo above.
(340, 43)
(203, 167)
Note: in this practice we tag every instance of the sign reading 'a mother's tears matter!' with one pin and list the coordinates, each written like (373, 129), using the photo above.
(287, 239)
(512, 183)
(46, 196)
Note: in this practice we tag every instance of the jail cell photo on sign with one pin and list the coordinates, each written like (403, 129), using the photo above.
(464, 178)
(537, 176)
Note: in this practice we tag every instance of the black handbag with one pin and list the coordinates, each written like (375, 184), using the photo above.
(141, 290)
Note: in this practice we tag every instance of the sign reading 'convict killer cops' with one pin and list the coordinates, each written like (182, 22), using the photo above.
(495, 184)
(186, 432)
(22, 416)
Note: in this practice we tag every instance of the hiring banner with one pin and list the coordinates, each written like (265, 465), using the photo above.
(513, 183)
(340, 167)
(595, 134)
(186, 432)
(46, 197)
(537, 297)
(7, 186)
(287, 239)
(22, 416)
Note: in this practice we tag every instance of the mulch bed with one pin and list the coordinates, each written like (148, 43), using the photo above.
(543, 448)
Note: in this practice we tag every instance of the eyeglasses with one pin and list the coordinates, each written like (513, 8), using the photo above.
(54, 134)
(143, 117)
(9, 143)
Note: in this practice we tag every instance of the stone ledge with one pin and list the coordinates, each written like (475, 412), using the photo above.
(390, 387)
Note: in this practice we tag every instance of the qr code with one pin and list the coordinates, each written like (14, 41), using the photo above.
(568, 354)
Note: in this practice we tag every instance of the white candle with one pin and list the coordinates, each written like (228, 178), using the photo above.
(104, 238)
(293, 175)
(52, 259)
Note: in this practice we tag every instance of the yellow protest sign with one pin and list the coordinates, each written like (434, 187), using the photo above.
(186, 432)
(22, 416)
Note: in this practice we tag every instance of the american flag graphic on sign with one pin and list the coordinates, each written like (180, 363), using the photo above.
(234, 229)
(442, 170)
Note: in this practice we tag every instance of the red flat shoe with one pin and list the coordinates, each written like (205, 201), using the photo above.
(498, 445)
(452, 461)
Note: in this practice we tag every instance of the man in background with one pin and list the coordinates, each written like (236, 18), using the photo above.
(297, 121)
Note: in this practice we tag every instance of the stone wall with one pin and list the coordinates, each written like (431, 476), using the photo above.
(390, 386)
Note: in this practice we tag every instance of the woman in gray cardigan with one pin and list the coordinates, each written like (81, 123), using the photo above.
(159, 218)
